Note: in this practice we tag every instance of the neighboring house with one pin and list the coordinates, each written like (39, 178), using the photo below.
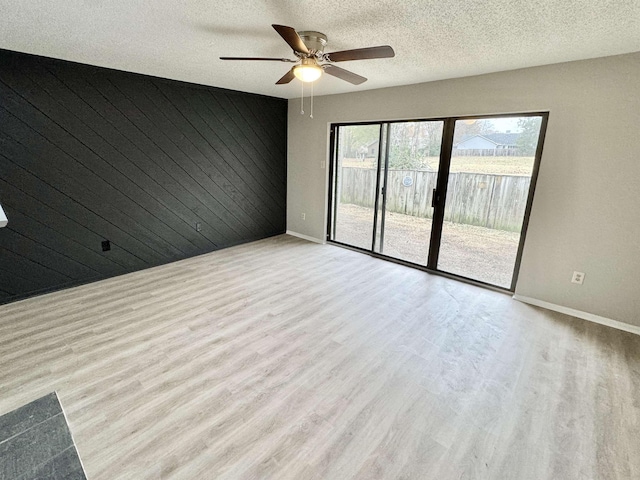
(372, 149)
(369, 150)
(489, 144)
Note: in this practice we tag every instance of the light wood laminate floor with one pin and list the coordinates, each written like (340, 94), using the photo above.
(286, 359)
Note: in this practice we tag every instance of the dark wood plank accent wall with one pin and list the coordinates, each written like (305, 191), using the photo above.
(163, 170)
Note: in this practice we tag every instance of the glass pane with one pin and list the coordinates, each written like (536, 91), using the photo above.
(355, 188)
(491, 167)
(411, 176)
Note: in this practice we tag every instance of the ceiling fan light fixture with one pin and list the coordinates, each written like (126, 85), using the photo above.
(307, 72)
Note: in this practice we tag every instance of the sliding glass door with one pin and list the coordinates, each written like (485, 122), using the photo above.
(489, 179)
(409, 173)
(450, 195)
(356, 171)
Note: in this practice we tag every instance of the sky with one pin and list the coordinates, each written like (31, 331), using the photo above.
(501, 125)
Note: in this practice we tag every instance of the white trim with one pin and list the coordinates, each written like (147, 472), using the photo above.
(304, 237)
(3, 218)
(626, 327)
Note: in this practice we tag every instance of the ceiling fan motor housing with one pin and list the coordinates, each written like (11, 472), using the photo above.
(315, 41)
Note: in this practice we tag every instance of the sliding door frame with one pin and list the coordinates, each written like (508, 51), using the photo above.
(333, 184)
(376, 202)
(532, 188)
(439, 195)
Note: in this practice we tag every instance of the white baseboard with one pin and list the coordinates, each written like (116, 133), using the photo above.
(304, 237)
(580, 314)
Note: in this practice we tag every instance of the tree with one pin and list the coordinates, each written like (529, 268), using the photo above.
(530, 131)
(465, 130)
(355, 137)
(411, 144)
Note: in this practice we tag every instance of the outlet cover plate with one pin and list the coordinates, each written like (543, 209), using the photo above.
(578, 277)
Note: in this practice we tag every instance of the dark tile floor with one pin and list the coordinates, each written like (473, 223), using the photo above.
(35, 443)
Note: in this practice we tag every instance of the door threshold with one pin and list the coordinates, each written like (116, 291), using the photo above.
(415, 266)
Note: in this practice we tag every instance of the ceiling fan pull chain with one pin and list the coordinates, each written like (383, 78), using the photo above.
(311, 116)
(302, 99)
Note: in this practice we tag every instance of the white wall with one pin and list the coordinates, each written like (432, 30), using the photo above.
(586, 211)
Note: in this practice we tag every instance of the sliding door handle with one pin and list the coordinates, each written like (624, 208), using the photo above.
(434, 198)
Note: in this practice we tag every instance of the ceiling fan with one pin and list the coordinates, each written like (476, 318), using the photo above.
(309, 46)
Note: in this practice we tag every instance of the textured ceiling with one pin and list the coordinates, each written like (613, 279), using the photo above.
(433, 39)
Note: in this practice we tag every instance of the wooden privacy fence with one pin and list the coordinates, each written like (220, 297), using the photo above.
(492, 201)
(486, 152)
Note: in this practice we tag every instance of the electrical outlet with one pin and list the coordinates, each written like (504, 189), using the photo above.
(106, 245)
(578, 277)
(322, 164)
(303, 216)
(198, 226)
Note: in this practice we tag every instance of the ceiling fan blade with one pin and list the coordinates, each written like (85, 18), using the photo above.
(343, 74)
(259, 58)
(383, 51)
(292, 38)
(286, 78)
